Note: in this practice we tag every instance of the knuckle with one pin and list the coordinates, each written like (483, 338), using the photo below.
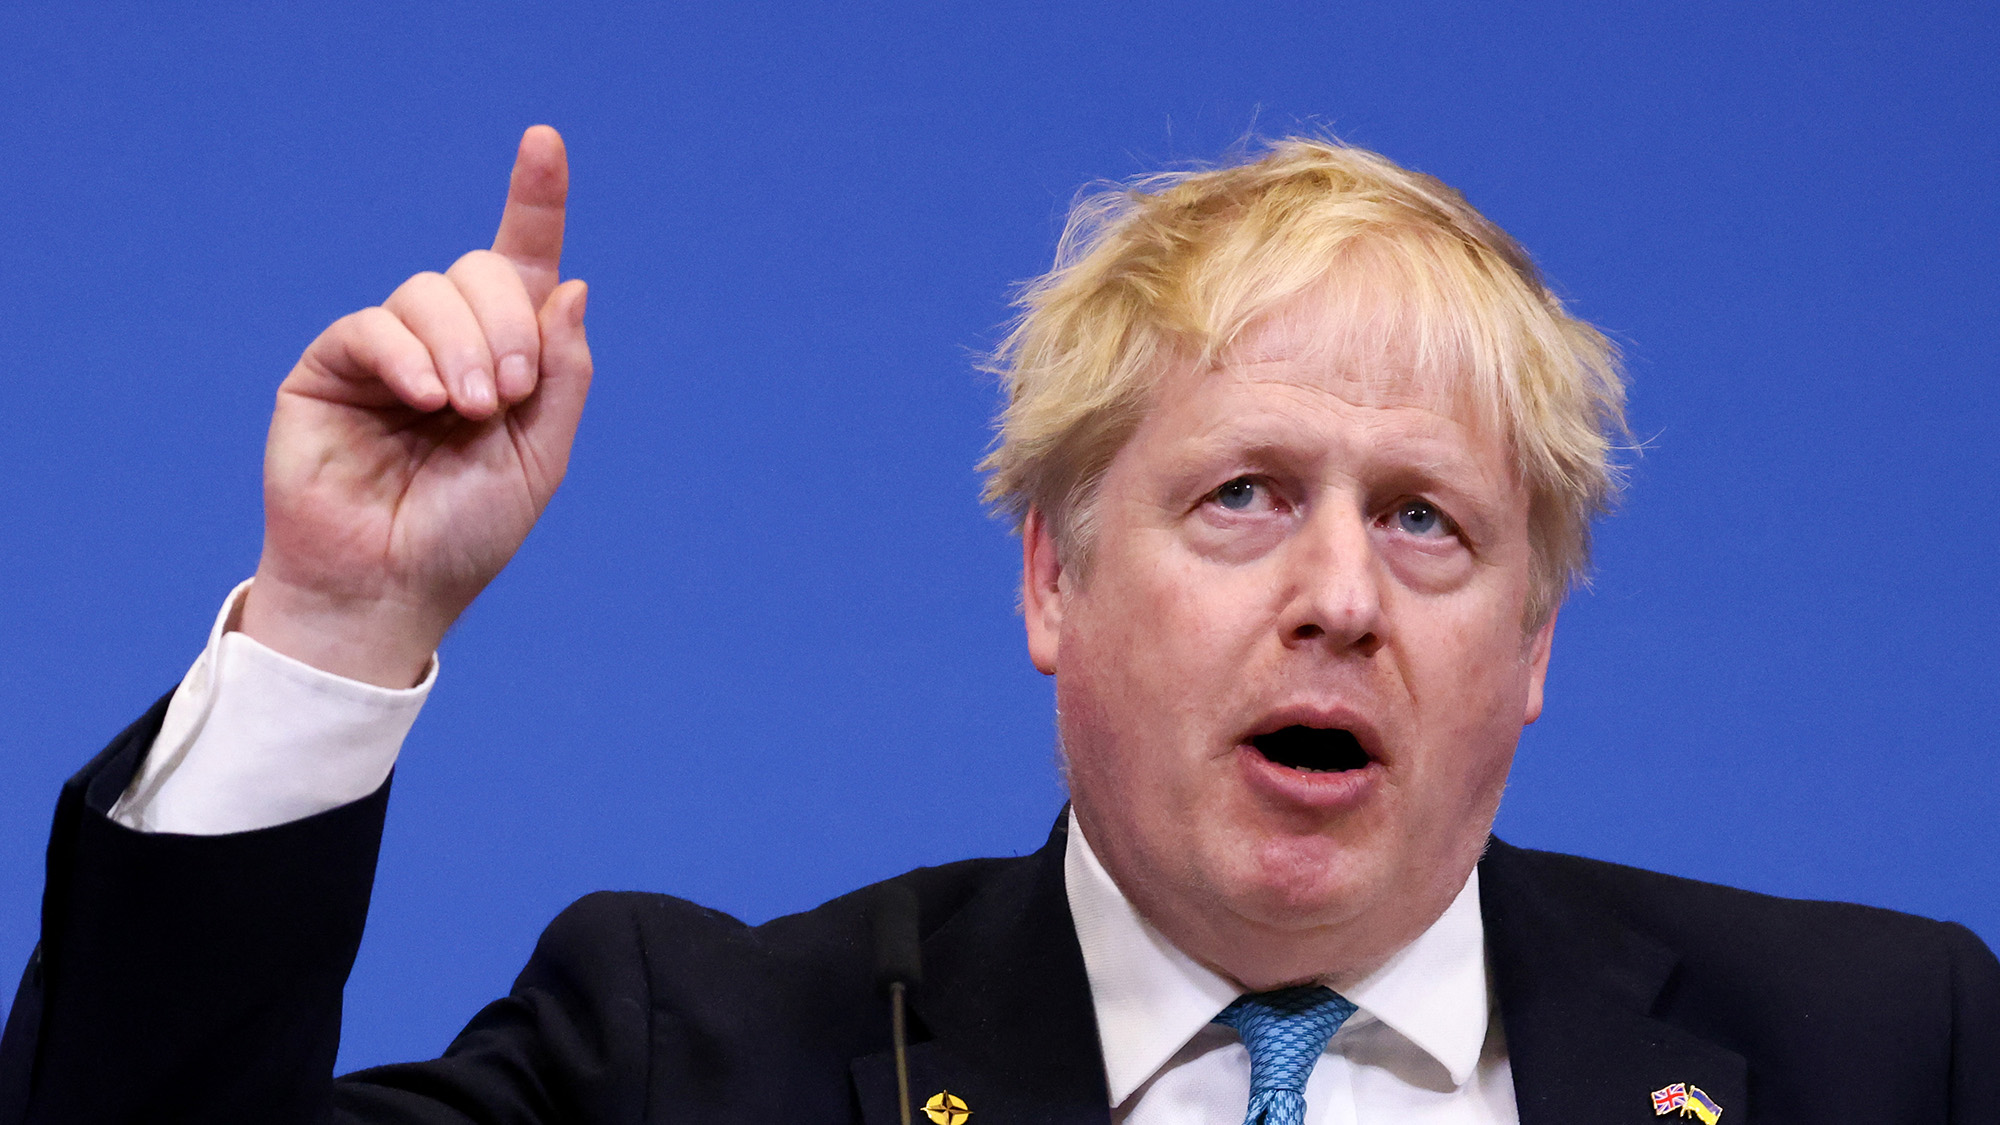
(465, 356)
(370, 325)
(476, 261)
(349, 326)
(417, 288)
(517, 335)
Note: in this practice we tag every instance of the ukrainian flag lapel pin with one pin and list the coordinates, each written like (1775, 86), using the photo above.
(1690, 1100)
(946, 1108)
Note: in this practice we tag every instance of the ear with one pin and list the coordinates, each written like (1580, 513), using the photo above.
(1537, 656)
(1041, 591)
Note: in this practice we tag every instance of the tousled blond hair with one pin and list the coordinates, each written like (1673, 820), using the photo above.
(1170, 270)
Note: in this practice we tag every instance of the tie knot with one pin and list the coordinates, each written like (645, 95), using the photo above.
(1285, 1031)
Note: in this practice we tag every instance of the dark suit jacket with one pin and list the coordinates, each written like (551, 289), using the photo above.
(198, 979)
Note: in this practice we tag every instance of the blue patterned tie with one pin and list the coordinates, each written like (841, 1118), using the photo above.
(1284, 1031)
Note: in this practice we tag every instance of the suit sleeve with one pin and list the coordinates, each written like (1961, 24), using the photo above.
(199, 979)
(1975, 1062)
(186, 978)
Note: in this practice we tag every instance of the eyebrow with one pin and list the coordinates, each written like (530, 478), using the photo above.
(1440, 465)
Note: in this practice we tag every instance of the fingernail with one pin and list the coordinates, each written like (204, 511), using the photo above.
(516, 380)
(576, 310)
(478, 391)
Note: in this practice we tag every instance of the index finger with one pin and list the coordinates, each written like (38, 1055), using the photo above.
(531, 227)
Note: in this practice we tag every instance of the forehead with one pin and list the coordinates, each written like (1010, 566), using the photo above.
(1367, 334)
(1346, 364)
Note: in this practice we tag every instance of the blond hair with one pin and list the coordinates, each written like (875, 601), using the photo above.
(1171, 269)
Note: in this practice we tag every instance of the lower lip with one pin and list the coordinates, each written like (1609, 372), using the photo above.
(1322, 791)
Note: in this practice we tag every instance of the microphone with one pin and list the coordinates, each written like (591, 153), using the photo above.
(892, 923)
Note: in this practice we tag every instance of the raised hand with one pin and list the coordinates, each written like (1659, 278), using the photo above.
(415, 444)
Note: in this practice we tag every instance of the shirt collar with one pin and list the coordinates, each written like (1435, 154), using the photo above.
(1151, 998)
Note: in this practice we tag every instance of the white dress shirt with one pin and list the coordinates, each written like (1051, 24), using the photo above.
(254, 739)
(1424, 1046)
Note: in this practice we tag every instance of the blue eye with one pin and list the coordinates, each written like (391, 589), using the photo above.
(1237, 495)
(1420, 518)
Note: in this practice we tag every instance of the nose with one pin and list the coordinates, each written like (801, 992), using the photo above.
(1333, 584)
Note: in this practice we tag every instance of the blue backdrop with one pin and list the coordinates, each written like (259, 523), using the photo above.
(763, 647)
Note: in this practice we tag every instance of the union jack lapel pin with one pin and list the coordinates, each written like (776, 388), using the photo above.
(1690, 1100)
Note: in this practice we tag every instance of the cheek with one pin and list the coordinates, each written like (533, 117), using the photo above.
(1136, 718)
(1469, 684)
(1118, 772)
(1099, 687)
(1181, 613)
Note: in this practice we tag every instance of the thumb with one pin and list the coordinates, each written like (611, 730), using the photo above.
(548, 419)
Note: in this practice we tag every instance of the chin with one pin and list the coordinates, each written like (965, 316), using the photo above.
(1301, 882)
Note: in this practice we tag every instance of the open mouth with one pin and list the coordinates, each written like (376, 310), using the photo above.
(1312, 749)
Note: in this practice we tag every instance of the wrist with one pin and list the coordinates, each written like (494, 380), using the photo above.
(383, 641)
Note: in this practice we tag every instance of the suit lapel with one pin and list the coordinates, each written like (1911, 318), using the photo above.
(1577, 989)
(1003, 1019)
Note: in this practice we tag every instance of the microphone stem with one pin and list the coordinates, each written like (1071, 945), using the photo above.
(899, 1034)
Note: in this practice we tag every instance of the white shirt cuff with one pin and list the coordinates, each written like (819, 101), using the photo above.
(254, 739)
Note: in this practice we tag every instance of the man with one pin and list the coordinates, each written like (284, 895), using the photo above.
(1304, 457)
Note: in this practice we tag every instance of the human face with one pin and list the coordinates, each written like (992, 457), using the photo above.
(1290, 681)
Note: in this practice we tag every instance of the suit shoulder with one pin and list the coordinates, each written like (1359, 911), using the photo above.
(1738, 936)
(1814, 994)
(626, 917)
(613, 939)
(1644, 896)
(670, 941)
(941, 892)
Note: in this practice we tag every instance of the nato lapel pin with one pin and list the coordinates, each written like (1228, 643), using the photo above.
(946, 1108)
